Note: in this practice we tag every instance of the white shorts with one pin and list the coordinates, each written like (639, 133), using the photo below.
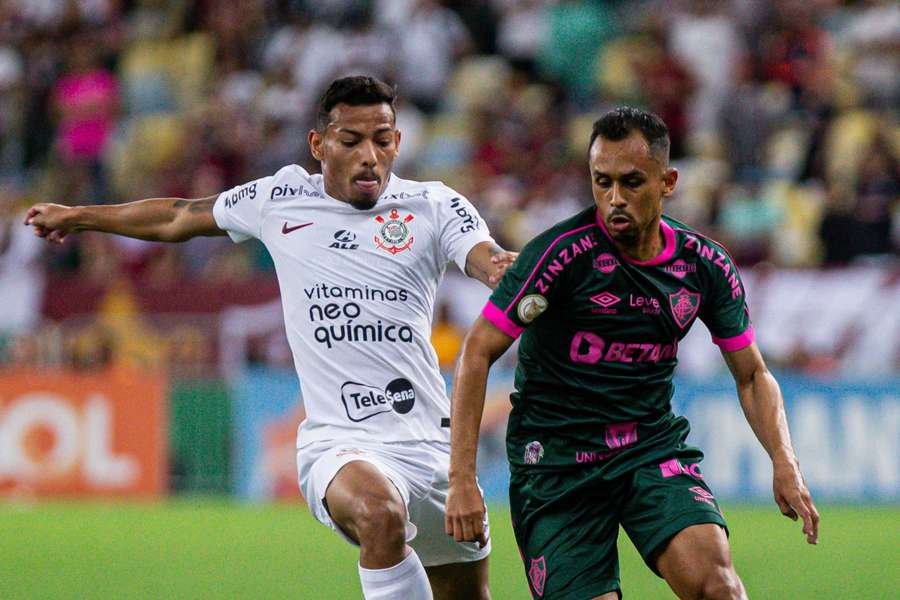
(419, 472)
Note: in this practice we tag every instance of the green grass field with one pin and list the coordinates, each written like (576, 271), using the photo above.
(194, 549)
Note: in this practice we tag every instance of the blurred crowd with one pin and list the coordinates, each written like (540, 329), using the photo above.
(783, 116)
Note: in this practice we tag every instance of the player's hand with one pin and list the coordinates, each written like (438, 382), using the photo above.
(502, 260)
(464, 519)
(49, 221)
(793, 498)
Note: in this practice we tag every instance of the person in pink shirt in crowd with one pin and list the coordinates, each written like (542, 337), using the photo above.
(85, 103)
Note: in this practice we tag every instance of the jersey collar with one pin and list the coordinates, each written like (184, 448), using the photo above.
(665, 255)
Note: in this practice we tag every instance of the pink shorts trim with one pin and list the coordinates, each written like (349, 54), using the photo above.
(499, 320)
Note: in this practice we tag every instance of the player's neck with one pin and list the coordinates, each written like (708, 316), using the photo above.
(647, 246)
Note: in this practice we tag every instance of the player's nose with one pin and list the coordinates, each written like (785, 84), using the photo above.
(368, 156)
(616, 198)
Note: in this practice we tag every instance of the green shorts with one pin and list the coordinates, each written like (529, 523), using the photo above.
(566, 522)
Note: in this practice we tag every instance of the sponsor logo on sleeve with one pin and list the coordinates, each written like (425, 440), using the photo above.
(363, 401)
(244, 191)
(469, 221)
(530, 307)
(394, 235)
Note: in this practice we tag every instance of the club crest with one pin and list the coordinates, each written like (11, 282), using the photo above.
(537, 575)
(684, 306)
(394, 235)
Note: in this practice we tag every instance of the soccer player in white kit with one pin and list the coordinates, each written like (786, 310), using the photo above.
(359, 254)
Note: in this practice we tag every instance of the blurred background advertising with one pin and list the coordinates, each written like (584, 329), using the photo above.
(130, 368)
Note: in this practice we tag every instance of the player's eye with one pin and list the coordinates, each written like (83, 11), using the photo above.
(602, 182)
(634, 182)
(348, 143)
(384, 143)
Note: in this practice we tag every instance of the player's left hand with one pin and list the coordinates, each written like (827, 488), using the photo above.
(464, 518)
(793, 497)
(502, 261)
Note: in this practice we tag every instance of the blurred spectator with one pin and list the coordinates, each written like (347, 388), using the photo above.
(863, 220)
(523, 29)
(578, 30)
(783, 118)
(872, 36)
(704, 36)
(431, 40)
(85, 100)
(21, 275)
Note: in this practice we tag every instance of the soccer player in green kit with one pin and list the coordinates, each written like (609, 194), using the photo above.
(600, 301)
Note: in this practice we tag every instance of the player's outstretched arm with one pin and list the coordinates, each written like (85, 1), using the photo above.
(483, 345)
(763, 406)
(157, 219)
(487, 262)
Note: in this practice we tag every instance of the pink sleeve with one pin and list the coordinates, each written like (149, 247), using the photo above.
(499, 320)
(738, 342)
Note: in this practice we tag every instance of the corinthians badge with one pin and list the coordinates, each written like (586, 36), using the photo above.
(394, 235)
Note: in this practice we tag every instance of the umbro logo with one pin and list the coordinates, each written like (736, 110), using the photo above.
(606, 299)
(286, 230)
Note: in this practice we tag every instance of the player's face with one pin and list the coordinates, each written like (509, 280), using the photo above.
(629, 184)
(357, 151)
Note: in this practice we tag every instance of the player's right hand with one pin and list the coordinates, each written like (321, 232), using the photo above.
(49, 221)
(464, 518)
(793, 497)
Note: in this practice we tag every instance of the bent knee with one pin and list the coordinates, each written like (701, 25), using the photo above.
(721, 583)
(377, 519)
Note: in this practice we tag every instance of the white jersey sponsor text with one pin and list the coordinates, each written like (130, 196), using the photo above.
(357, 290)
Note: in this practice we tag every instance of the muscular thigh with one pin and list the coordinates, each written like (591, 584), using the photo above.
(665, 499)
(566, 525)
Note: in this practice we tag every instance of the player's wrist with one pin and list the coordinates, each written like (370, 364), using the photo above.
(462, 476)
(785, 458)
(72, 218)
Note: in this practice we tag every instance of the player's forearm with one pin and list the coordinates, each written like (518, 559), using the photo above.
(763, 406)
(467, 407)
(156, 219)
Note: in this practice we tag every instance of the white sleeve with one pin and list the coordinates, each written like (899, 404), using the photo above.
(239, 210)
(461, 228)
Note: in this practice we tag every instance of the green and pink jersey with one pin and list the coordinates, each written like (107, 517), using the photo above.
(599, 339)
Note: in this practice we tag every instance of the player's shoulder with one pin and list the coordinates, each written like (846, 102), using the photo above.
(690, 238)
(429, 192)
(576, 227)
(293, 181)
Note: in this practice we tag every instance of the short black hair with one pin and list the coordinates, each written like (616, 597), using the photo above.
(357, 90)
(618, 124)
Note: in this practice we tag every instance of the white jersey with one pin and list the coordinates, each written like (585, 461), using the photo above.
(358, 290)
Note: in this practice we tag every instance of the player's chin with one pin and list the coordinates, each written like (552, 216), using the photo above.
(364, 201)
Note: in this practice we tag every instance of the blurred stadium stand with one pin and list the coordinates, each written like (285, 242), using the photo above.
(783, 113)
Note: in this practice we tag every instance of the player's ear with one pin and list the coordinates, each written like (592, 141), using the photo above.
(316, 140)
(670, 179)
(397, 137)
